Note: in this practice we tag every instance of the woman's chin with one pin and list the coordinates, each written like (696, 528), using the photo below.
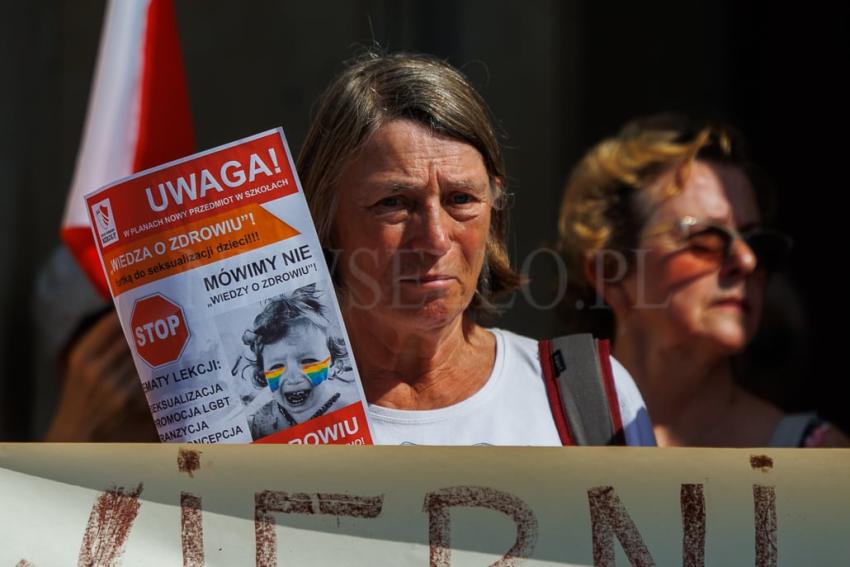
(412, 310)
(726, 340)
(435, 313)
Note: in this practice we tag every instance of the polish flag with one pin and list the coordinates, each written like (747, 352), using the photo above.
(138, 115)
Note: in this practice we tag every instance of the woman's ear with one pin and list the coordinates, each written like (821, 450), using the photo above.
(496, 188)
(606, 271)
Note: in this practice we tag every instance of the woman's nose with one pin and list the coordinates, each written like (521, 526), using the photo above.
(430, 233)
(741, 258)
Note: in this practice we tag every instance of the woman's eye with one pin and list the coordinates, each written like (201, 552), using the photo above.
(390, 203)
(461, 198)
(391, 209)
(708, 241)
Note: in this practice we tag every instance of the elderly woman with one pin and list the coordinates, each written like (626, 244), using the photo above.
(406, 184)
(663, 222)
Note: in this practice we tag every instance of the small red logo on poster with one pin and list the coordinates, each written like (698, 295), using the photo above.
(159, 328)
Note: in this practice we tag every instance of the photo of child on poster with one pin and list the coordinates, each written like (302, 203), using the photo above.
(289, 363)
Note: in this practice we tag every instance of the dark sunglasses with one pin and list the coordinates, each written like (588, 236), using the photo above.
(713, 241)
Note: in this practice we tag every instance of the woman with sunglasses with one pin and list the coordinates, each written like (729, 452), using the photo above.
(661, 228)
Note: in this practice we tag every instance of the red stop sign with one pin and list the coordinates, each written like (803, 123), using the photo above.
(159, 329)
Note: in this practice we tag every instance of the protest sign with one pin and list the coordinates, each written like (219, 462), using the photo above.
(288, 505)
(225, 298)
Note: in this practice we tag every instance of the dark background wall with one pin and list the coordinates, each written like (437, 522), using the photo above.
(558, 76)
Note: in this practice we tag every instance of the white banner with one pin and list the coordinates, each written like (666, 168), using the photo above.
(296, 505)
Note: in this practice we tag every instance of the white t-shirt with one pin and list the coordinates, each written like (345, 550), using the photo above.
(512, 407)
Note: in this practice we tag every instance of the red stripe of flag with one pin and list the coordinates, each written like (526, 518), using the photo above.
(155, 107)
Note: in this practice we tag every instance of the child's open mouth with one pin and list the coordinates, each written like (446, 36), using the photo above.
(297, 397)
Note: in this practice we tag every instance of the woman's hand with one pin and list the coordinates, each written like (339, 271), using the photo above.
(102, 398)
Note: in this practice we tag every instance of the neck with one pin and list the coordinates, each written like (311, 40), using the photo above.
(691, 396)
(420, 369)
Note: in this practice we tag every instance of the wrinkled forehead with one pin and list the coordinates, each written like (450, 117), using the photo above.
(712, 191)
(407, 146)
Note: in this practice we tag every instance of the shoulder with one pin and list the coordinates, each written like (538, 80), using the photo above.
(514, 340)
(627, 390)
(525, 351)
(522, 358)
(807, 430)
(633, 412)
(833, 437)
(516, 357)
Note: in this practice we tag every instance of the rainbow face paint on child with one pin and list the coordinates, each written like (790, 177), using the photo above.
(317, 372)
(273, 377)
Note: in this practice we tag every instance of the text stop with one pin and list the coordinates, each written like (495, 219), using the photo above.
(159, 329)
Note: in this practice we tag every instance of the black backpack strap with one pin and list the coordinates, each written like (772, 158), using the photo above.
(580, 386)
